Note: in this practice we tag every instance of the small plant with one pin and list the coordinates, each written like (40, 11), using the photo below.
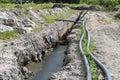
(36, 29)
(93, 66)
(26, 12)
(8, 35)
(7, 6)
(52, 18)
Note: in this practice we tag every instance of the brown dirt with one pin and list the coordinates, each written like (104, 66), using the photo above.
(106, 33)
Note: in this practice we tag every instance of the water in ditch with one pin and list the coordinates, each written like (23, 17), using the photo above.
(53, 63)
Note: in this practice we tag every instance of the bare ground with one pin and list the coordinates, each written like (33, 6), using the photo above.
(105, 31)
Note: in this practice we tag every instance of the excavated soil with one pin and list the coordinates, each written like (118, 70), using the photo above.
(105, 32)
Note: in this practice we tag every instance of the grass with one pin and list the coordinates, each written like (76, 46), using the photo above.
(29, 5)
(93, 66)
(38, 6)
(77, 5)
(25, 12)
(7, 6)
(8, 35)
(52, 18)
(36, 29)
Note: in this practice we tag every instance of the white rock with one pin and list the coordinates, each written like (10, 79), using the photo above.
(4, 28)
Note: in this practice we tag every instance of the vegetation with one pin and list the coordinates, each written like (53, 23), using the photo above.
(93, 66)
(38, 6)
(52, 18)
(36, 29)
(7, 5)
(109, 4)
(8, 35)
(27, 6)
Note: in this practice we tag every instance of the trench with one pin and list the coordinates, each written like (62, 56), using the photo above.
(51, 64)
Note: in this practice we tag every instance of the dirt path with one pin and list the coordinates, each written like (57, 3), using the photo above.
(106, 34)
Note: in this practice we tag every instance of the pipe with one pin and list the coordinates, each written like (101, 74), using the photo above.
(84, 58)
(104, 69)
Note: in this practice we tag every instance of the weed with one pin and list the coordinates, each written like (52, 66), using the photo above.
(52, 18)
(25, 12)
(36, 29)
(8, 35)
(93, 66)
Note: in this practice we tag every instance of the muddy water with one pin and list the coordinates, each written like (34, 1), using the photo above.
(52, 63)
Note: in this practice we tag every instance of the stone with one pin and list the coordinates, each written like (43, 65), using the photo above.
(81, 8)
(58, 5)
(4, 28)
(24, 70)
(10, 22)
(3, 15)
(116, 8)
(28, 23)
(94, 8)
(27, 29)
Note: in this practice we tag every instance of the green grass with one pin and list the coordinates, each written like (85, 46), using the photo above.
(36, 29)
(25, 12)
(51, 18)
(30, 5)
(38, 6)
(77, 5)
(93, 66)
(7, 6)
(8, 35)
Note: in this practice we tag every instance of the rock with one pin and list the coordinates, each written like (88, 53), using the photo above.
(27, 29)
(26, 72)
(28, 23)
(94, 8)
(12, 43)
(58, 5)
(34, 56)
(117, 16)
(4, 15)
(4, 28)
(21, 31)
(10, 22)
(81, 8)
(101, 77)
(58, 10)
(117, 8)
